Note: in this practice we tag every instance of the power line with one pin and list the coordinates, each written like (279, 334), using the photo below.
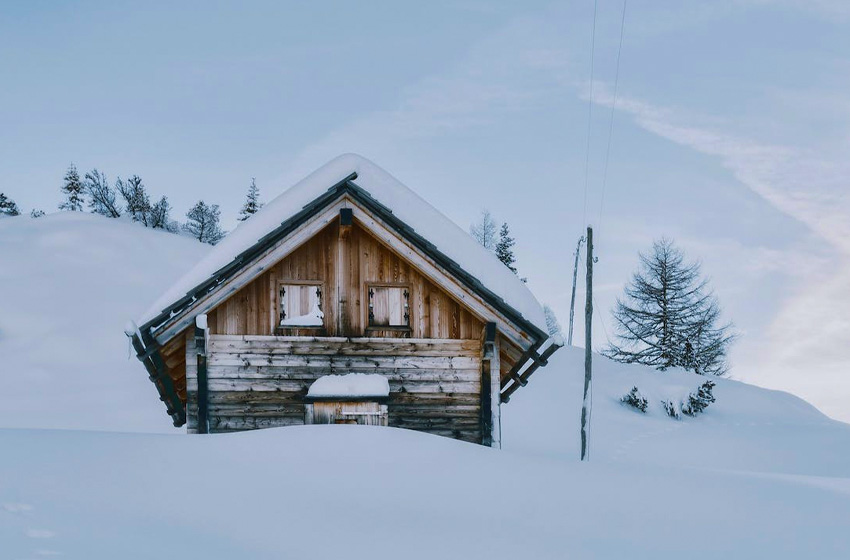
(589, 113)
(613, 107)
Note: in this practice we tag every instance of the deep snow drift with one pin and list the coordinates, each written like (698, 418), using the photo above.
(68, 283)
(759, 474)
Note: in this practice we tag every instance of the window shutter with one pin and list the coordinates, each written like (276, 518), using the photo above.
(389, 306)
(297, 300)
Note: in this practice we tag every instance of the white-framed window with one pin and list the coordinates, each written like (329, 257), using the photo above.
(389, 305)
(301, 304)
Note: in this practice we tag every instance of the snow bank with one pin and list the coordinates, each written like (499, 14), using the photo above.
(350, 385)
(355, 492)
(405, 204)
(68, 282)
(747, 428)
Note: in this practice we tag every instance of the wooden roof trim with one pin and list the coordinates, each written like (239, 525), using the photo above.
(345, 186)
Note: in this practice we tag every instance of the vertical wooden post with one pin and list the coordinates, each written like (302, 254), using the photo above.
(201, 337)
(588, 316)
(573, 298)
(495, 393)
(491, 429)
(343, 274)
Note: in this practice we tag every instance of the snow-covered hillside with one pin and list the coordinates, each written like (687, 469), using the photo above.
(759, 474)
(68, 284)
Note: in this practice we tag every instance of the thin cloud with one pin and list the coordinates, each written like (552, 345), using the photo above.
(806, 343)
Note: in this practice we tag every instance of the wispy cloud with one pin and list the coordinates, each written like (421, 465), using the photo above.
(805, 348)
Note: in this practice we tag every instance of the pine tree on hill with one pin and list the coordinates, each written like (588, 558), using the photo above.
(484, 230)
(203, 223)
(36, 213)
(103, 198)
(252, 204)
(504, 248)
(668, 318)
(159, 215)
(136, 198)
(8, 206)
(73, 191)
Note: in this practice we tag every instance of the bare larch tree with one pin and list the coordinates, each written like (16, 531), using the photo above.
(669, 318)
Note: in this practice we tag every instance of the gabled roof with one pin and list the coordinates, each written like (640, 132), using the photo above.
(460, 253)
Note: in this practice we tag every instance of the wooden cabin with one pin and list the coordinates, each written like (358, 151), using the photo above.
(348, 272)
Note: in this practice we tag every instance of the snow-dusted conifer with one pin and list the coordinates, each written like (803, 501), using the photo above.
(671, 408)
(504, 247)
(553, 326)
(158, 217)
(203, 223)
(136, 198)
(252, 203)
(699, 401)
(103, 198)
(484, 230)
(36, 213)
(73, 191)
(635, 399)
(8, 206)
(668, 318)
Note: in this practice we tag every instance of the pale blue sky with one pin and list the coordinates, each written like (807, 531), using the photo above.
(731, 132)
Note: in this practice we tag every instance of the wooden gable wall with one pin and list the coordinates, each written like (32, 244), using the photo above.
(344, 262)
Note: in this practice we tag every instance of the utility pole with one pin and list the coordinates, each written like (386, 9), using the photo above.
(573, 299)
(588, 316)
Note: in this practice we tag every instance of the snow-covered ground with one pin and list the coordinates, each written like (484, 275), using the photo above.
(761, 474)
(68, 284)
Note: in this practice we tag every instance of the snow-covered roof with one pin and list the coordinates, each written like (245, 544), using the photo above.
(350, 385)
(445, 235)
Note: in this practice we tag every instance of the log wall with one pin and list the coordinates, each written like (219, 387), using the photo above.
(260, 381)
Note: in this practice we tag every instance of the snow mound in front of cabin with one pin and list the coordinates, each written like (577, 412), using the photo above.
(364, 492)
(68, 282)
(408, 206)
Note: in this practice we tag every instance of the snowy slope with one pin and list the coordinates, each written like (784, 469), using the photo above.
(760, 474)
(748, 428)
(68, 283)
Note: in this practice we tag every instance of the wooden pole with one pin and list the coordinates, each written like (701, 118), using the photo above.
(588, 316)
(573, 298)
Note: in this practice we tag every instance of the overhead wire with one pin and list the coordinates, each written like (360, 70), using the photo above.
(589, 113)
(613, 108)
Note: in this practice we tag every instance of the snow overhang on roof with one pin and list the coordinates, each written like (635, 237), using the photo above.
(359, 176)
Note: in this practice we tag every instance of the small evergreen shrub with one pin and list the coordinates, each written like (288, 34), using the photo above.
(634, 399)
(697, 402)
(671, 408)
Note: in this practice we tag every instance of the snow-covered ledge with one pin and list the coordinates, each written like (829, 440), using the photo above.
(351, 386)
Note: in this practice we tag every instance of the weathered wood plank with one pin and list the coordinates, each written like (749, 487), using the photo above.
(311, 374)
(367, 362)
(261, 385)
